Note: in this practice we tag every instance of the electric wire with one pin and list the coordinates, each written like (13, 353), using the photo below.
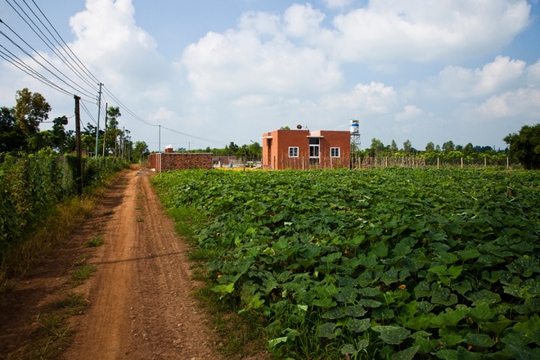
(83, 105)
(43, 37)
(21, 65)
(63, 45)
(41, 56)
(66, 46)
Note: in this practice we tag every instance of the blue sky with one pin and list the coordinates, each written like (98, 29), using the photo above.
(222, 71)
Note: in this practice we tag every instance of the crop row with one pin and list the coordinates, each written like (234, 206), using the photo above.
(31, 184)
(378, 264)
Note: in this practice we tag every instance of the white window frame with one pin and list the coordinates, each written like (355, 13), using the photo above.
(293, 151)
(333, 150)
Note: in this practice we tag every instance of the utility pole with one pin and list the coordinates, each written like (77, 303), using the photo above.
(105, 136)
(78, 144)
(123, 142)
(98, 114)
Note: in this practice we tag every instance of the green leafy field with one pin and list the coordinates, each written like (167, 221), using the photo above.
(376, 264)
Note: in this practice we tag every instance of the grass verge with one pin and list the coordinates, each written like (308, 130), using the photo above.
(19, 259)
(52, 334)
(240, 334)
(82, 274)
(95, 242)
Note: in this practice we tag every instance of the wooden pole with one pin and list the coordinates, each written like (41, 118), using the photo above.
(78, 144)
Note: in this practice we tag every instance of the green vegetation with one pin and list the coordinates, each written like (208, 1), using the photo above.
(377, 264)
(52, 334)
(82, 274)
(95, 242)
(525, 146)
(30, 186)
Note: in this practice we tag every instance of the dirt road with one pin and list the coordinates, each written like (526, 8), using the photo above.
(141, 304)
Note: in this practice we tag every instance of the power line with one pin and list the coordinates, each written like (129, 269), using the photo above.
(124, 107)
(41, 56)
(43, 37)
(79, 63)
(21, 65)
(88, 112)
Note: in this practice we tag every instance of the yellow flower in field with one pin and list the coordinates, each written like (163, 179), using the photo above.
(402, 287)
(219, 276)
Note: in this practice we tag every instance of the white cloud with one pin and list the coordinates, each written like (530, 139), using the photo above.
(161, 114)
(122, 54)
(302, 21)
(373, 98)
(417, 30)
(410, 112)
(533, 73)
(240, 61)
(459, 82)
(520, 102)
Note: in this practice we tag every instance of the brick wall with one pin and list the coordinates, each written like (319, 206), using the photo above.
(171, 161)
(276, 146)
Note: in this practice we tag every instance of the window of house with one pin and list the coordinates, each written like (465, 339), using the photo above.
(334, 152)
(293, 151)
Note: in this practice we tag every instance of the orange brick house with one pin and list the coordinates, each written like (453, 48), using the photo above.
(304, 149)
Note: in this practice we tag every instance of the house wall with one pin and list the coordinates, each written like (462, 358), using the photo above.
(340, 139)
(276, 149)
(172, 161)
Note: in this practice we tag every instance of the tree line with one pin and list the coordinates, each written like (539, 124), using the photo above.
(251, 152)
(448, 150)
(524, 146)
(20, 132)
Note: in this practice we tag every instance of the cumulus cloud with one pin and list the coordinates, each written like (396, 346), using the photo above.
(121, 53)
(416, 30)
(373, 98)
(410, 112)
(459, 82)
(240, 61)
(520, 102)
(161, 114)
(533, 73)
(303, 21)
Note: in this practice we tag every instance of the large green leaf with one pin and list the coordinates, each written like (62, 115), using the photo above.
(479, 340)
(355, 311)
(407, 354)
(356, 325)
(444, 297)
(393, 335)
(482, 313)
(327, 330)
(484, 297)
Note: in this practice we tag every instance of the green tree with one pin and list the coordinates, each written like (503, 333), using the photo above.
(140, 152)
(112, 131)
(393, 147)
(11, 136)
(377, 147)
(233, 148)
(407, 146)
(58, 135)
(430, 147)
(468, 150)
(255, 151)
(448, 146)
(30, 110)
(525, 146)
